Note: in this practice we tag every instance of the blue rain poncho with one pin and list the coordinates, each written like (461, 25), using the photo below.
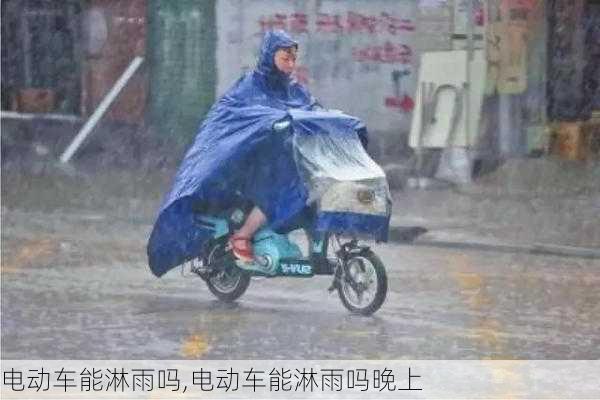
(237, 155)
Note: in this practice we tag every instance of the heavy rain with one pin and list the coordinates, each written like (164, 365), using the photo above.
(485, 129)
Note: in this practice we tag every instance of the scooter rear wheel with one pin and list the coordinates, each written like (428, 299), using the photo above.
(229, 282)
(363, 284)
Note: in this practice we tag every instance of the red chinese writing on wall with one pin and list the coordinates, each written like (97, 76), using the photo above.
(302, 75)
(403, 103)
(386, 53)
(384, 23)
(351, 22)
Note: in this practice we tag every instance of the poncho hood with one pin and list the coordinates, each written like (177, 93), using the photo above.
(273, 41)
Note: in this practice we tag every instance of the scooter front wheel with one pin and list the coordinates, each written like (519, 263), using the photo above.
(229, 282)
(363, 284)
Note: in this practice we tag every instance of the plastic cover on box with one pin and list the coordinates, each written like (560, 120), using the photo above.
(340, 175)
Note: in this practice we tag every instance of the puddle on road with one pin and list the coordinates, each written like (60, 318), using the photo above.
(32, 253)
(474, 294)
(194, 346)
(486, 330)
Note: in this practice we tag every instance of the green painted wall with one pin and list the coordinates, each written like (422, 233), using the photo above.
(181, 51)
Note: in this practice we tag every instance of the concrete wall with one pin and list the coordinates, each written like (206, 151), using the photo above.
(355, 55)
(434, 25)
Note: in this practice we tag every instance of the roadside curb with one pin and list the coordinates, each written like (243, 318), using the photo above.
(413, 236)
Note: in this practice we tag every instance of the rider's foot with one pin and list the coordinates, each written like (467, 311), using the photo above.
(242, 248)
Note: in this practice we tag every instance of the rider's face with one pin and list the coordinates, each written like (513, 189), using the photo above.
(285, 60)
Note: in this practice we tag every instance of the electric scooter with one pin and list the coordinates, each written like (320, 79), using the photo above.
(358, 274)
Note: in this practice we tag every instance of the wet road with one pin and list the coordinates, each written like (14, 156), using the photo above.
(75, 286)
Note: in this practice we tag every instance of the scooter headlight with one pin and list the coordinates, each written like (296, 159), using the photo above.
(365, 196)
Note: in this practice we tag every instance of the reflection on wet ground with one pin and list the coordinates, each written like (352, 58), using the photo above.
(90, 295)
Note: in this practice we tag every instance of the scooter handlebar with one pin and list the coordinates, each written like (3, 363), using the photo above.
(282, 125)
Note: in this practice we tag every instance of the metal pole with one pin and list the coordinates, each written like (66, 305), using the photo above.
(29, 116)
(26, 49)
(470, 57)
(424, 113)
(106, 102)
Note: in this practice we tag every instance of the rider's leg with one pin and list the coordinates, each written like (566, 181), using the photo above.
(240, 241)
(253, 222)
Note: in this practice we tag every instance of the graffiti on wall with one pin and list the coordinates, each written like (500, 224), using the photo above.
(400, 100)
(391, 51)
(349, 23)
(346, 48)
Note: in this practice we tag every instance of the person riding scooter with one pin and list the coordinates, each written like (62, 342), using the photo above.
(233, 156)
(276, 64)
(268, 160)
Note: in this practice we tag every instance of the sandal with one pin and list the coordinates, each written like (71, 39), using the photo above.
(241, 248)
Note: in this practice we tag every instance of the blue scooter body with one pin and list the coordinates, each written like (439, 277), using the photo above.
(274, 253)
